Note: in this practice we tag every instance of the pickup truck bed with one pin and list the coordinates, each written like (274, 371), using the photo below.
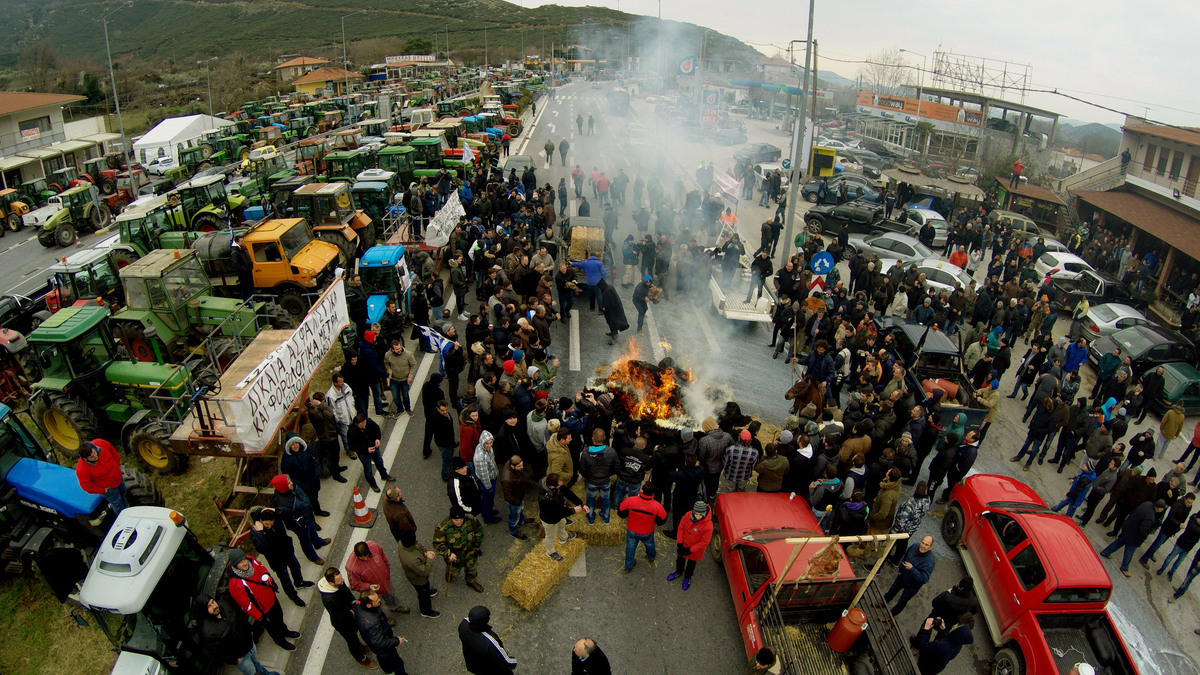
(732, 304)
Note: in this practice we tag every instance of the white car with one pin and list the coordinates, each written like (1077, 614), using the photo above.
(834, 144)
(1109, 318)
(1060, 265)
(161, 165)
(922, 216)
(761, 170)
(939, 274)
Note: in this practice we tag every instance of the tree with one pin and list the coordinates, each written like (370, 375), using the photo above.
(884, 72)
(417, 45)
(924, 130)
(40, 65)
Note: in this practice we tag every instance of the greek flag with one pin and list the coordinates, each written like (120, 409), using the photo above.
(435, 342)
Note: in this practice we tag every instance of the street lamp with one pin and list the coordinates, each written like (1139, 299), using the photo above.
(116, 100)
(346, 73)
(920, 78)
(208, 77)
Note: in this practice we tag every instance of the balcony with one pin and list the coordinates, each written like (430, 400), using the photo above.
(11, 144)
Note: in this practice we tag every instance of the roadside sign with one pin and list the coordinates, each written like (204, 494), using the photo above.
(787, 163)
(817, 282)
(822, 263)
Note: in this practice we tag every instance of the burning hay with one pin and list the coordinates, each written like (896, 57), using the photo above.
(533, 579)
(644, 391)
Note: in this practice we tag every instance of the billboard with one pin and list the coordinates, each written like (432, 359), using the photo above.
(419, 58)
(687, 65)
(901, 105)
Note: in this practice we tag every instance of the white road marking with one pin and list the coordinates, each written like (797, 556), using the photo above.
(708, 332)
(573, 348)
(556, 113)
(552, 126)
(579, 569)
(655, 340)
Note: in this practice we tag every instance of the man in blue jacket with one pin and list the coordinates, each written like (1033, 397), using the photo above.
(1076, 356)
(914, 572)
(819, 365)
(595, 272)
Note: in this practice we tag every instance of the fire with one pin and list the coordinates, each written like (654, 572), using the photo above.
(647, 391)
(666, 346)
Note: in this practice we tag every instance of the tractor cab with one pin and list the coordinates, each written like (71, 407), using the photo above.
(330, 209)
(146, 228)
(301, 126)
(373, 127)
(347, 139)
(66, 178)
(330, 120)
(310, 156)
(385, 277)
(37, 191)
(281, 194)
(400, 160)
(347, 164)
(140, 590)
(165, 283)
(452, 129)
(193, 160)
(87, 277)
(378, 200)
(12, 207)
(74, 346)
(269, 135)
(99, 171)
(205, 204)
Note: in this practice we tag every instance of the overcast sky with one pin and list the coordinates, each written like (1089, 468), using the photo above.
(1128, 56)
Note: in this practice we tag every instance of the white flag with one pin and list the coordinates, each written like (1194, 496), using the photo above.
(468, 156)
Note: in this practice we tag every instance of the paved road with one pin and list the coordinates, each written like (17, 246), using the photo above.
(642, 622)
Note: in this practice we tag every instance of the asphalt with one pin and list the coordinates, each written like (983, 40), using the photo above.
(640, 620)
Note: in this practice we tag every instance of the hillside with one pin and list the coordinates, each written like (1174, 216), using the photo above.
(181, 30)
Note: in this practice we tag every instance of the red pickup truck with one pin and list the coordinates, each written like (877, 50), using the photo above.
(1042, 588)
(750, 544)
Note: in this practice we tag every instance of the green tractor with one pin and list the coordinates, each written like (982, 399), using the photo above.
(91, 388)
(300, 127)
(205, 205)
(91, 276)
(400, 160)
(346, 164)
(37, 191)
(78, 209)
(171, 313)
(147, 226)
(193, 160)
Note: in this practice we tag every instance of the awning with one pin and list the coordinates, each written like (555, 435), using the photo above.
(1163, 222)
(41, 153)
(14, 162)
(102, 138)
(72, 146)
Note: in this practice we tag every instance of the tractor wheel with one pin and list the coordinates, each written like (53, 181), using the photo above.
(101, 216)
(206, 150)
(66, 421)
(140, 490)
(206, 222)
(347, 251)
(514, 130)
(278, 318)
(64, 236)
(107, 185)
(47, 238)
(244, 153)
(293, 304)
(152, 444)
(203, 166)
(124, 258)
(37, 319)
(14, 223)
(29, 364)
(133, 336)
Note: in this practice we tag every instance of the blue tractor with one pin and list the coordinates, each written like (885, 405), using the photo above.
(385, 276)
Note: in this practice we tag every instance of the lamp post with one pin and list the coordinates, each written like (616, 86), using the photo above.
(116, 101)
(208, 79)
(798, 138)
(920, 83)
(346, 73)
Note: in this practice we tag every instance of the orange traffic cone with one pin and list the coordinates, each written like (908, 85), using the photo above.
(363, 517)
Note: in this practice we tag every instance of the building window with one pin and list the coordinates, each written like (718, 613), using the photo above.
(895, 134)
(31, 130)
(1149, 162)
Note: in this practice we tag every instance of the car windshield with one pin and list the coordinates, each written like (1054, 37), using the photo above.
(1103, 313)
(1135, 341)
(1048, 260)
(378, 280)
(295, 239)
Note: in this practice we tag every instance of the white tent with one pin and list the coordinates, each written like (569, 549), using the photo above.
(166, 136)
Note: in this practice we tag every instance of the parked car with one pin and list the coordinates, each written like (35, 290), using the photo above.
(518, 162)
(1182, 386)
(939, 274)
(1098, 287)
(730, 137)
(863, 217)
(1106, 319)
(904, 247)
(833, 144)
(160, 165)
(764, 168)
(1042, 589)
(917, 219)
(870, 188)
(1018, 222)
(757, 152)
(1060, 264)
(1148, 346)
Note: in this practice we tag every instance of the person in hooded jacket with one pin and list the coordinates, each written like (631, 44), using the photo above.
(372, 373)
(272, 542)
(252, 589)
(597, 465)
(300, 464)
(483, 650)
(338, 601)
(933, 655)
(226, 635)
(486, 473)
(850, 517)
(691, 539)
(293, 507)
(1081, 485)
(961, 463)
(376, 629)
(883, 509)
(688, 483)
(952, 602)
(418, 562)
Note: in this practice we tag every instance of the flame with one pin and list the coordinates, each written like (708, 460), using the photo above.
(646, 391)
(666, 346)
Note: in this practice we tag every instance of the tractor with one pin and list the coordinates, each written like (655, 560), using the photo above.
(300, 127)
(77, 209)
(37, 191)
(12, 209)
(385, 277)
(347, 139)
(431, 156)
(191, 160)
(171, 313)
(329, 209)
(66, 178)
(400, 160)
(90, 276)
(100, 171)
(91, 388)
(347, 164)
(330, 120)
(310, 156)
(18, 367)
(206, 205)
(129, 187)
(271, 135)
(257, 175)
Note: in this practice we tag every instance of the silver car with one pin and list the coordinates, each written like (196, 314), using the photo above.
(1109, 318)
(889, 245)
(939, 274)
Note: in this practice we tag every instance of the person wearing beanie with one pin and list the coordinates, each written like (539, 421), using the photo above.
(462, 489)
(271, 540)
(457, 539)
(226, 634)
(642, 513)
(738, 465)
(1136, 491)
(1174, 521)
(300, 463)
(765, 662)
(293, 507)
(640, 295)
(366, 441)
(691, 539)
(417, 563)
(253, 590)
(99, 473)
(338, 602)
(401, 366)
(483, 650)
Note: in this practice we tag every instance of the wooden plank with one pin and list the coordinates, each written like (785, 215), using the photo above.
(787, 568)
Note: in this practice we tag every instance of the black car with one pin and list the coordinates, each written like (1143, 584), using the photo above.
(863, 217)
(729, 137)
(757, 152)
(1148, 346)
(1097, 287)
(21, 313)
(870, 189)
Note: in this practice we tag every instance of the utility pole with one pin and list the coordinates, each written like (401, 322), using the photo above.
(812, 114)
(345, 72)
(485, 47)
(116, 99)
(798, 142)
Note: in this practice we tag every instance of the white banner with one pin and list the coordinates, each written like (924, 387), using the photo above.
(437, 234)
(265, 395)
(726, 185)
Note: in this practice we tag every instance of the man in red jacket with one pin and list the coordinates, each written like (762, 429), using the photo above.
(253, 589)
(368, 569)
(642, 514)
(99, 473)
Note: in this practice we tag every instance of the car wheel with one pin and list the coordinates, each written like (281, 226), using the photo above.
(952, 525)
(814, 225)
(849, 252)
(1008, 662)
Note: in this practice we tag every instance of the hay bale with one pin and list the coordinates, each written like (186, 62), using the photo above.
(600, 533)
(586, 242)
(532, 580)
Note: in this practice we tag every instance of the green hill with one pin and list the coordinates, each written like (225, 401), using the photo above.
(182, 30)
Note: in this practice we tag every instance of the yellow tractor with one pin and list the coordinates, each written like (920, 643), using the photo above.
(11, 209)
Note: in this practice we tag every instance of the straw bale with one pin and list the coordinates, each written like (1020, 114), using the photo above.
(534, 578)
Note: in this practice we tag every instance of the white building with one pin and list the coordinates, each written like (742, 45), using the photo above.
(173, 133)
